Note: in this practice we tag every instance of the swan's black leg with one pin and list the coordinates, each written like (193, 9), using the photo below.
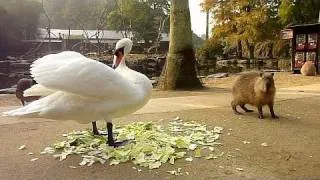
(110, 137)
(110, 134)
(94, 128)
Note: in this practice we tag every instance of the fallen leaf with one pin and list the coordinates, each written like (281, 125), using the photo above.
(239, 169)
(34, 159)
(22, 147)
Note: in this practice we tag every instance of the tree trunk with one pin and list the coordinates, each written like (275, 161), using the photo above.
(251, 51)
(270, 51)
(239, 49)
(179, 71)
(250, 47)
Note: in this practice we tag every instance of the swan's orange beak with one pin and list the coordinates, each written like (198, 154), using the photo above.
(118, 55)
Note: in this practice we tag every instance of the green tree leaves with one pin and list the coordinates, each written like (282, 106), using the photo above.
(142, 18)
(257, 23)
(299, 11)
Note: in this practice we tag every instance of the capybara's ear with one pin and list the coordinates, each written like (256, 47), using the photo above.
(272, 74)
(261, 74)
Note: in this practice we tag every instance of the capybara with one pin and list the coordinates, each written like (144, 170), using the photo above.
(22, 85)
(308, 69)
(254, 88)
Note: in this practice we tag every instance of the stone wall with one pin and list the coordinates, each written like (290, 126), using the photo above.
(13, 69)
(149, 65)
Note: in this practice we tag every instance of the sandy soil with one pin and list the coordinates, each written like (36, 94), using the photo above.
(292, 151)
(282, 80)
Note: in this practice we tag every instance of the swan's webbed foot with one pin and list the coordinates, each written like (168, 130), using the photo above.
(111, 141)
(118, 144)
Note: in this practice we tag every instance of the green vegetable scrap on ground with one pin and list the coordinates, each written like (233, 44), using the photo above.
(149, 146)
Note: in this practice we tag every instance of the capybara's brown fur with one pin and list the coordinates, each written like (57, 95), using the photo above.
(308, 69)
(22, 85)
(256, 89)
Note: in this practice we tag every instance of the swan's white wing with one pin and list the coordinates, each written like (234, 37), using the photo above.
(71, 72)
(38, 90)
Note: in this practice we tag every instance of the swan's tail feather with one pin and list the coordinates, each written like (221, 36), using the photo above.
(26, 111)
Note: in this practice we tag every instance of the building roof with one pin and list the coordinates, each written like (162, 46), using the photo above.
(80, 34)
(303, 25)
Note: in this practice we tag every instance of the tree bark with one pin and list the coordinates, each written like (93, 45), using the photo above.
(250, 47)
(270, 51)
(239, 49)
(179, 71)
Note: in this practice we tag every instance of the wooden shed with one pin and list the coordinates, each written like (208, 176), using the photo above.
(305, 44)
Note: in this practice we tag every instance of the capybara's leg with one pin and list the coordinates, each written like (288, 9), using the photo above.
(245, 109)
(272, 112)
(234, 108)
(260, 112)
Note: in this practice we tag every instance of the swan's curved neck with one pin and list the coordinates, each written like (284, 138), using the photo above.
(123, 62)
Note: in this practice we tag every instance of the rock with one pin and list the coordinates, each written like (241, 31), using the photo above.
(138, 68)
(12, 69)
(161, 58)
(150, 60)
(26, 61)
(18, 75)
(273, 70)
(154, 80)
(218, 75)
(222, 62)
(153, 64)
(8, 91)
(12, 75)
(4, 70)
(242, 61)
(151, 70)
(4, 64)
(308, 69)
(11, 58)
(20, 65)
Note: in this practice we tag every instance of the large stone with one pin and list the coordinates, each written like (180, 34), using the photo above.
(11, 58)
(4, 70)
(8, 91)
(218, 75)
(20, 65)
(4, 64)
(153, 64)
(7, 80)
(242, 61)
(308, 69)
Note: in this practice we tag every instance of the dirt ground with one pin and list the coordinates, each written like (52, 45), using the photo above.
(292, 151)
(282, 80)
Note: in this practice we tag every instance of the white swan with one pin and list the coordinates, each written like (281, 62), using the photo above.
(81, 89)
